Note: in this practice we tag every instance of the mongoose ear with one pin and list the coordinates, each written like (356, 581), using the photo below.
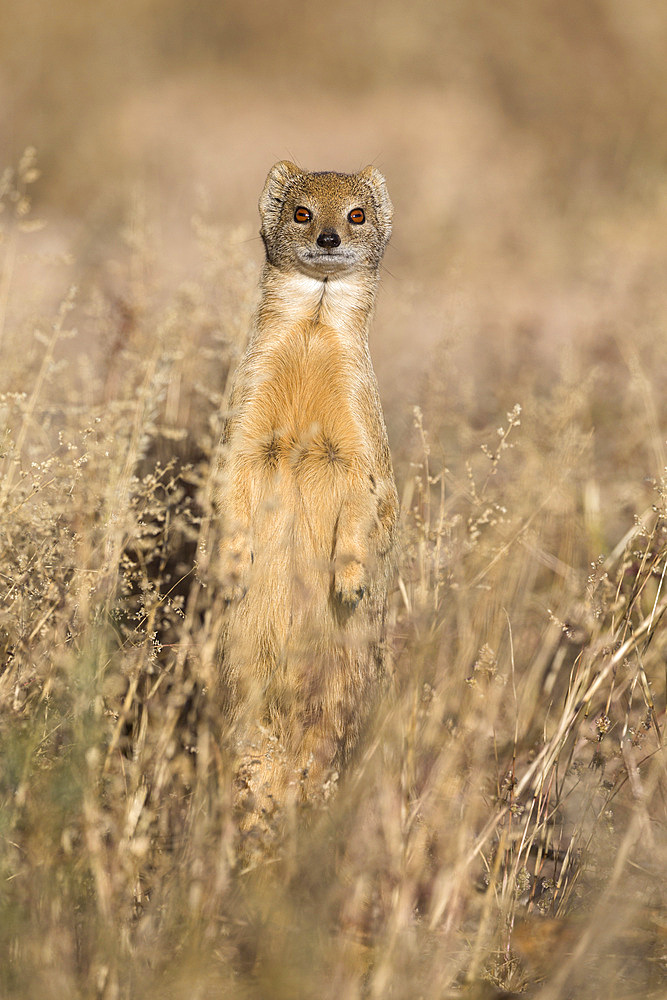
(272, 198)
(383, 206)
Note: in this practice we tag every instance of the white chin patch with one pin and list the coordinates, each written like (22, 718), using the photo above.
(326, 264)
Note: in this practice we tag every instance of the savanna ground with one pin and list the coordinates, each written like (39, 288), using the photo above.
(502, 826)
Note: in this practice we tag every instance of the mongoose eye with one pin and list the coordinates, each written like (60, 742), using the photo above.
(302, 214)
(357, 216)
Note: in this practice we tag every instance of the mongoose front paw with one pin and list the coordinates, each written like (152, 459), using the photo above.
(233, 592)
(351, 599)
(236, 559)
(350, 584)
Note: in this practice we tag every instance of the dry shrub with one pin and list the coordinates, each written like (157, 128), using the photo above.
(502, 826)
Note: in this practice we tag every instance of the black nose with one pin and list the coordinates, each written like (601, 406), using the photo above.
(328, 239)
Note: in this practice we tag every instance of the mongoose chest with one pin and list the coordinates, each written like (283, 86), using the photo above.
(301, 414)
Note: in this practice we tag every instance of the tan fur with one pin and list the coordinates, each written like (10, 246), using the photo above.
(307, 495)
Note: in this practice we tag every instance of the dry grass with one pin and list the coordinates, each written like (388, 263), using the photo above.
(502, 827)
(503, 821)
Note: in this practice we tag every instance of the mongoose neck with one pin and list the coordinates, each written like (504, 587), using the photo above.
(345, 303)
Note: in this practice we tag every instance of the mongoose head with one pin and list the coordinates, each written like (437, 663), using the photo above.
(324, 224)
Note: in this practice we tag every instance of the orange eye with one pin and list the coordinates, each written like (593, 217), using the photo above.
(357, 216)
(302, 214)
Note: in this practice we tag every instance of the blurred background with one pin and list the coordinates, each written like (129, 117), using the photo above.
(524, 146)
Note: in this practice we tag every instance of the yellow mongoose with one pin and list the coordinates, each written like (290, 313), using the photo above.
(307, 495)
